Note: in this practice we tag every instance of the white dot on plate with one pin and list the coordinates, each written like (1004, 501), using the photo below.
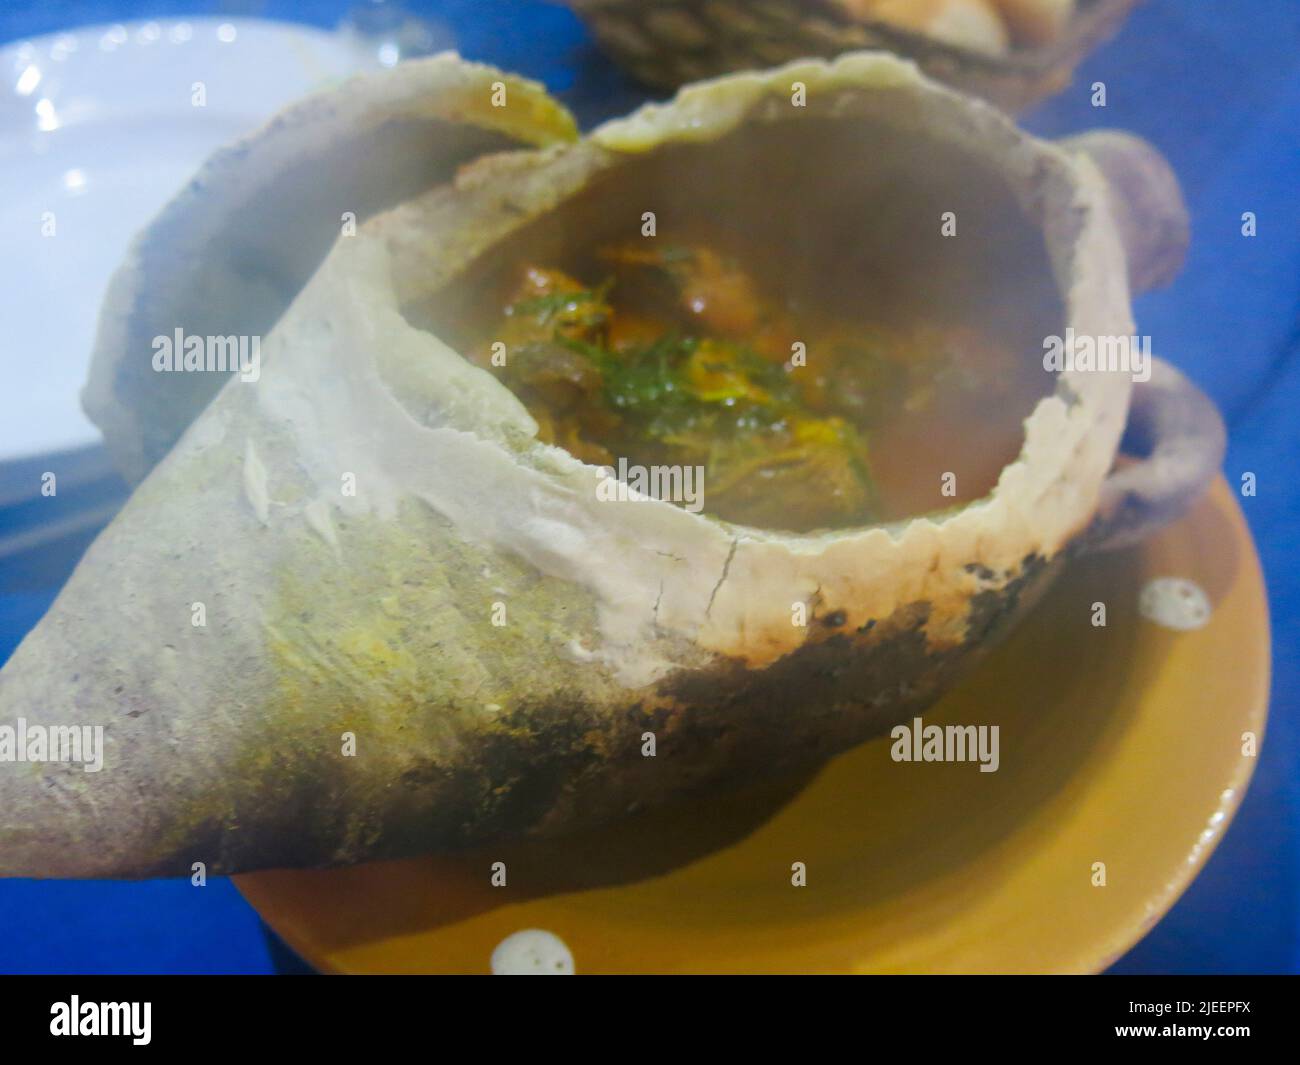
(47, 118)
(28, 80)
(532, 952)
(1175, 603)
(64, 45)
(226, 33)
(113, 37)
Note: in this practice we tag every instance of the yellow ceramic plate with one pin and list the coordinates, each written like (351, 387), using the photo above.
(1120, 745)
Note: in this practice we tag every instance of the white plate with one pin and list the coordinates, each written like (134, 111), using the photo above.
(98, 128)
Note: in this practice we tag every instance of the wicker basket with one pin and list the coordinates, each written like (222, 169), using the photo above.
(667, 43)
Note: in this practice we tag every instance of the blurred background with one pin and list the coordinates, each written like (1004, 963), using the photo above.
(1216, 87)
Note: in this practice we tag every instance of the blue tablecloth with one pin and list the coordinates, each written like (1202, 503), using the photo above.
(1216, 86)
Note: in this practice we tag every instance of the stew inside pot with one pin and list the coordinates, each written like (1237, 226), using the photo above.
(675, 356)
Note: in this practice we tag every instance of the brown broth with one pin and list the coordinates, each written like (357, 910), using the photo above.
(943, 445)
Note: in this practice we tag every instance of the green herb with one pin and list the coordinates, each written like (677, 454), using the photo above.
(547, 307)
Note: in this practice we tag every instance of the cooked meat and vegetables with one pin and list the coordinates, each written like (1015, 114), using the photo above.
(677, 356)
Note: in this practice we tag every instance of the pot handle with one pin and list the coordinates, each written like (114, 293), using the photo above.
(1146, 203)
(1175, 439)
(1172, 449)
